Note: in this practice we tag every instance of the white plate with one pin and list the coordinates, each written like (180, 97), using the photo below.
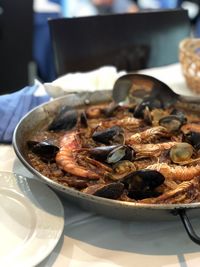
(31, 220)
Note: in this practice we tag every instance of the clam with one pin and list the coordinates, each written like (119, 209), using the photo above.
(181, 152)
(66, 119)
(143, 183)
(45, 149)
(123, 167)
(113, 135)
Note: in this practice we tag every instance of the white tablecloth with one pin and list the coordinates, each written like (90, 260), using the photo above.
(92, 240)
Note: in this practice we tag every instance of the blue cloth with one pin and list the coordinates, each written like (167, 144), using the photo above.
(14, 106)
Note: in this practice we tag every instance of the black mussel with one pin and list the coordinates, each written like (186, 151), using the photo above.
(65, 120)
(193, 138)
(110, 109)
(45, 150)
(112, 190)
(78, 183)
(143, 183)
(121, 153)
(83, 119)
(101, 152)
(172, 123)
(150, 103)
(180, 115)
(113, 135)
(112, 154)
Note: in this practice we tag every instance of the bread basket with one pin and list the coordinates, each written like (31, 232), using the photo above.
(189, 56)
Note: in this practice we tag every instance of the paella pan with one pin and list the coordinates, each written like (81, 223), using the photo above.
(132, 153)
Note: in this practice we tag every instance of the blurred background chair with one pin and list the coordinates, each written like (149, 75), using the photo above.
(16, 32)
(127, 41)
(42, 48)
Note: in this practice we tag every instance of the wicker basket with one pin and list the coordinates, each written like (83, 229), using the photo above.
(189, 56)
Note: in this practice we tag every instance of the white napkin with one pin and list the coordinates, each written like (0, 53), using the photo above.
(171, 75)
(99, 79)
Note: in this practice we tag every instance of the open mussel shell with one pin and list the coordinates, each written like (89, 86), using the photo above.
(45, 149)
(66, 119)
(113, 135)
(180, 114)
(142, 183)
(172, 123)
(148, 102)
(112, 190)
(121, 153)
(135, 87)
(112, 154)
(193, 138)
(101, 152)
(110, 109)
(83, 120)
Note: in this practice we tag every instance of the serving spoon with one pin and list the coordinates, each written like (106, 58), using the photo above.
(145, 85)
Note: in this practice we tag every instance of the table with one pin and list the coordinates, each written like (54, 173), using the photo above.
(93, 240)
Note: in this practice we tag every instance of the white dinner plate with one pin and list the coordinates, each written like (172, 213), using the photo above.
(31, 220)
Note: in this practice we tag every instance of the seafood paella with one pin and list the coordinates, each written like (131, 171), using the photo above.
(145, 150)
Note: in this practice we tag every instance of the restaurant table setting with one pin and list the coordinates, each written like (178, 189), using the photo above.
(40, 227)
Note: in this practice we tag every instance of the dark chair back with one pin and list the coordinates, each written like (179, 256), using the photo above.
(127, 41)
(16, 30)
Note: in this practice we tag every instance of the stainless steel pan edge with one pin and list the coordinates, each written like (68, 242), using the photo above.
(40, 116)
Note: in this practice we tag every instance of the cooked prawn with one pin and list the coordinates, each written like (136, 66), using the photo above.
(186, 192)
(148, 135)
(127, 122)
(190, 127)
(181, 173)
(66, 157)
(151, 150)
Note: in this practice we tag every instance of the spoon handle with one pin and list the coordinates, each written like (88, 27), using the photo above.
(189, 99)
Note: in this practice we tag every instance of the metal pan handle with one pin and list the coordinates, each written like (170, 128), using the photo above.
(188, 226)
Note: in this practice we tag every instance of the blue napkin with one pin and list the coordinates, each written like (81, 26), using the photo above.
(14, 106)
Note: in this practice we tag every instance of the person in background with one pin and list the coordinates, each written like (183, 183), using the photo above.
(114, 6)
(193, 7)
(42, 49)
(77, 8)
(157, 4)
